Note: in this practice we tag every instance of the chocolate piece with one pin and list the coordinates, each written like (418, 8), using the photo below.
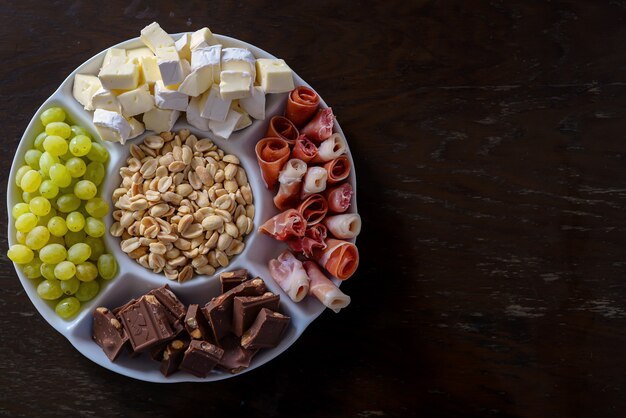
(174, 307)
(108, 333)
(219, 311)
(197, 325)
(201, 357)
(266, 331)
(119, 309)
(172, 356)
(156, 352)
(235, 358)
(232, 279)
(146, 323)
(246, 309)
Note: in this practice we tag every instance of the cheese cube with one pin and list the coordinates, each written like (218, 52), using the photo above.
(85, 86)
(160, 120)
(238, 59)
(225, 128)
(254, 105)
(193, 114)
(106, 100)
(119, 75)
(136, 128)
(154, 37)
(209, 56)
(235, 84)
(137, 101)
(111, 125)
(274, 75)
(200, 36)
(243, 122)
(213, 106)
(197, 82)
(182, 46)
(135, 55)
(166, 98)
(150, 70)
(169, 65)
(117, 54)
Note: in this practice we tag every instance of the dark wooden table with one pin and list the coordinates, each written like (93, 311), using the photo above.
(490, 146)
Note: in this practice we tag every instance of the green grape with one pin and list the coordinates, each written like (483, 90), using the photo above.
(57, 226)
(53, 253)
(80, 145)
(49, 289)
(87, 290)
(86, 272)
(19, 209)
(94, 227)
(20, 237)
(55, 145)
(20, 254)
(37, 237)
(40, 206)
(79, 253)
(72, 238)
(107, 266)
(60, 129)
(97, 247)
(85, 190)
(32, 270)
(47, 271)
(98, 153)
(30, 181)
(54, 114)
(67, 307)
(19, 174)
(26, 222)
(68, 203)
(70, 286)
(46, 161)
(75, 221)
(65, 270)
(76, 166)
(97, 207)
(38, 143)
(48, 189)
(95, 172)
(59, 174)
(79, 130)
(32, 157)
(27, 196)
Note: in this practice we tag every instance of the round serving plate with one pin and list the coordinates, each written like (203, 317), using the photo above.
(133, 280)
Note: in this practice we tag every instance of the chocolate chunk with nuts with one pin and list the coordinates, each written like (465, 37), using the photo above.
(173, 356)
(201, 357)
(266, 331)
(197, 325)
(246, 309)
(168, 299)
(235, 358)
(232, 279)
(108, 333)
(146, 323)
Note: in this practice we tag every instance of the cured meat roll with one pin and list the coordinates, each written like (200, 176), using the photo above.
(314, 239)
(320, 127)
(313, 209)
(282, 128)
(323, 289)
(344, 226)
(339, 198)
(339, 258)
(304, 149)
(301, 105)
(272, 154)
(331, 148)
(314, 181)
(288, 272)
(338, 169)
(290, 180)
(285, 225)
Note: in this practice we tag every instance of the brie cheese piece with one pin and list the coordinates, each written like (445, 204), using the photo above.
(169, 65)
(182, 47)
(112, 54)
(200, 36)
(119, 75)
(274, 75)
(135, 55)
(238, 59)
(197, 82)
(193, 115)
(209, 56)
(243, 122)
(137, 101)
(213, 107)
(166, 98)
(85, 86)
(105, 99)
(150, 70)
(255, 103)
(235, 84)
(154, 37)
(160, 120)
(225, 128)
(116, 127)
(136, 128)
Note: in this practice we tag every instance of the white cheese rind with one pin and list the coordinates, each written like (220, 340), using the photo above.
(166, 98)
(137, 101)
(274, 75)
(213, 106)
(255, 103)
(160, 120)
(105, 99)
(235, 84)
(112, 121)
(193, 114)
(225, 128)
(169, 65)
(85, 86)
(182, 46)
(200, 36)
(208, 56)
(197, 82)
(154, 37)
(238, 59)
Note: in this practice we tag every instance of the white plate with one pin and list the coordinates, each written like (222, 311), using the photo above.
(132, 279)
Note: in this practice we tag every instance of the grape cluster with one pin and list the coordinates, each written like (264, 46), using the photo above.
(59, 221)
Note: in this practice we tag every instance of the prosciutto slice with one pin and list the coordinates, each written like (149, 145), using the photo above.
(282, 128)
(339, 198)
(304, 149)
(338, 169)
(314, 181)
(285, 225)
(314, 239)
(272, 154)
(290, 275)
(313, 209)
(323, 289)
(290, 180)
(346, 226)
(339, 258)
(320, 127)
(301, 105)
(331, 148)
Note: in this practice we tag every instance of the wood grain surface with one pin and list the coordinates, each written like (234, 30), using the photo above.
(489, 143)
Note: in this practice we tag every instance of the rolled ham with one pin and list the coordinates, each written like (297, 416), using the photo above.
(331, 148)
(314, 239)
(339, 198)
(304, 149)
(272, 154)
(314, 181)
(323, 289)
(290, 275)
(346, 226)
(339, 258)
(338, 169)
(320, 127)
(286, 225)
(290, 179)
(282, 128)
(301, 105)
(314, 208)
